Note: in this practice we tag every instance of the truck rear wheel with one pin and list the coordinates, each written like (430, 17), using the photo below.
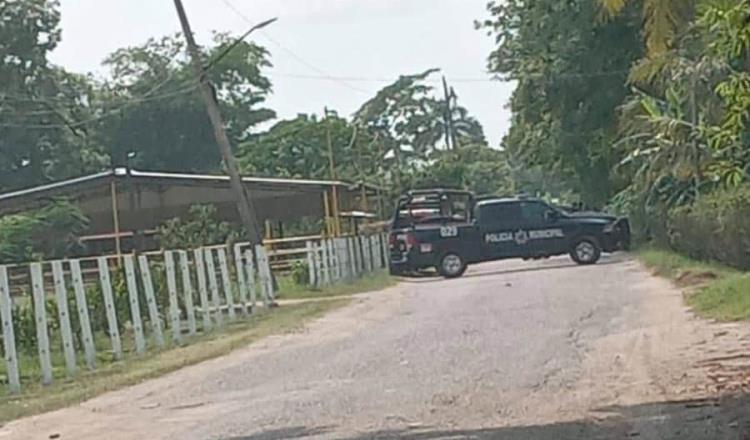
(452, 265)
(586, 250)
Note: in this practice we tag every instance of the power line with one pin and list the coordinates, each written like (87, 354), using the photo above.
(143, 98)
(323, 74)
(455, 80)
(343, 80)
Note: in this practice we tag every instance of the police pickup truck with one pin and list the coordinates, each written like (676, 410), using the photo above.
(448, 230)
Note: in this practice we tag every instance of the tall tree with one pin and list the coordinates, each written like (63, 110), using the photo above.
(405, 116)
(571, 71)
(298, 148)
(409, 123)
(474, 167)
(161, 123)
(44, 111)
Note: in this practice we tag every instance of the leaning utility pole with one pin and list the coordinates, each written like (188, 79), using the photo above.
(448, 118)
(334, 191)
(244, 204)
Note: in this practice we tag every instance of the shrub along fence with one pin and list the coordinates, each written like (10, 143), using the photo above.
(58, 315)
(715, 227)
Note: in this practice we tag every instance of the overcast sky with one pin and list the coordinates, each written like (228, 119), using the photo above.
(364, 41)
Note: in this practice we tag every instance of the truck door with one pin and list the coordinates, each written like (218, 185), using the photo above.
(546, 234)
(499, 226)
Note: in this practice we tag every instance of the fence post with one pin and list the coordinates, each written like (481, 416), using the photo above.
(61, 295)
(239, 268)
(386, 250)
(331, 259)
(352, 258)
(370, 254)
(89, 350)
(375, 246)
(213, 284)
(9, 339)
(264, 269)
(269, 277)
(365, 253)
(333, 252)
(225, 281)
(135, 310)
(250, 274)
(311, 263)
(200, 270)
(40, 314)
(153, 310)
(318, 258)
(344, 259)
(341, 252)
(324, 260)
(361, 255)
(109, 305)
(174, 307)
(187, 288)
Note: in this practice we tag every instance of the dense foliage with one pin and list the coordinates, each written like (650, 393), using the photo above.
(641, 105)
(571, 71)
(715, 227)
(50, 232)
(200, 227)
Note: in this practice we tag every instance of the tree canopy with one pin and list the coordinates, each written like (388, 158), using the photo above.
(571, 71)
(161, 121)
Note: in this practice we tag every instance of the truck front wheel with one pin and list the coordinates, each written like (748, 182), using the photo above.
(586, 250)
(452, 265)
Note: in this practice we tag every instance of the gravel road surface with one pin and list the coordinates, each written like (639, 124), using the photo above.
(514, 350)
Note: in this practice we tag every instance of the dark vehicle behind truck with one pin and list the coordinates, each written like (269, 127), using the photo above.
(449, 230)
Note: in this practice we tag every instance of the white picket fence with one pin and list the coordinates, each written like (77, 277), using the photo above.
(204, 291)
(344, 259)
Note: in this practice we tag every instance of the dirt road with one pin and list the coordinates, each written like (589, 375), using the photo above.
(514, 350)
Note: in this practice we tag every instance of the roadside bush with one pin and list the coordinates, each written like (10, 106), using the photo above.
(647, 215)
(24, 324)
(200, 227)
(50, 232)
(300, 273)
(715, 227)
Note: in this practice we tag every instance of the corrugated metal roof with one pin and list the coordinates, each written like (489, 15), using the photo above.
(122, 172)
(55, 185)
(161, 175)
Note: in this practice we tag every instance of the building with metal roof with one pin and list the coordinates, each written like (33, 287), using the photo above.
(124, 204)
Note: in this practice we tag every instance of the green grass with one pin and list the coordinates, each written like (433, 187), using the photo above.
(110, 376)
(288, 289)
(718, 292)
(672, 265)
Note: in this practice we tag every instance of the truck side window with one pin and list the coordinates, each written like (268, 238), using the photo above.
(500, 213)
(534, 212)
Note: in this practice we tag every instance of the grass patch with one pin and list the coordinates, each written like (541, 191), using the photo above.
(726, 299)
(288, 289)
(718, 292)
(36, 399)
(673, 265)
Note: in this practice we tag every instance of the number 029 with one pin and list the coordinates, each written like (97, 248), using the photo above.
(448, 231)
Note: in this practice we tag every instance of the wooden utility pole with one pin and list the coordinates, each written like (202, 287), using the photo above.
(334, 191)
(244, 203)
(448, 118)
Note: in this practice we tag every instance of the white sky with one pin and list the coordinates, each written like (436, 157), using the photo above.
(355, 39)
